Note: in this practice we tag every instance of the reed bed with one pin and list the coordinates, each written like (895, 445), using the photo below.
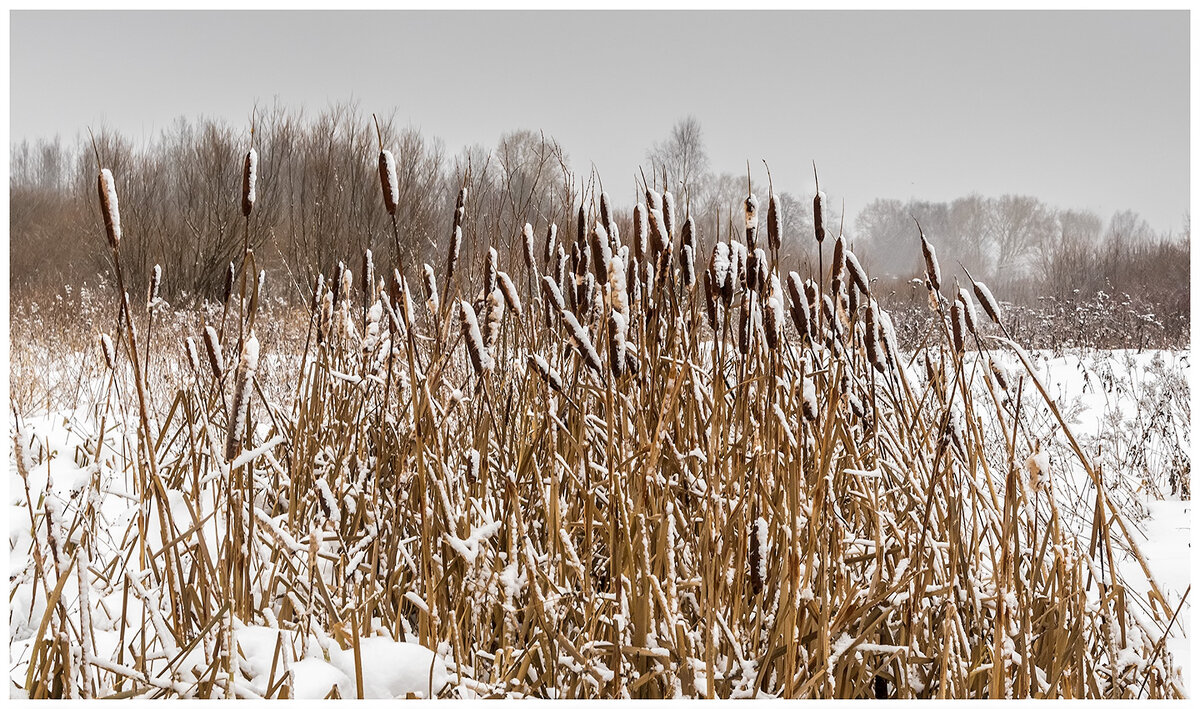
(601, 469)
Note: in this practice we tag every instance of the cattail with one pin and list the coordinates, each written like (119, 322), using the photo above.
(601, 251)
(368, 278)
(710, 300)
(812, 293)
(509, 291)
(193, 354)
(212, 347)
(774, 236)
(347, 283)
(737, 262)
(968, 310)
(583, 343)
(616, 287)
(387, 179)
(107, 189)
(317, 293)
(659, 238)
(989, 303)
(530, 259)
(818, 216)
(250, 181)
(480, 359)
(751, 209)
(587, 291)
(431, 293)
(617, 328)
(460, 209)
(760, 267)
(155, 284)
(106, 349)
(799, 308)
(542, 367)
(243, 382)
(808, 397)
(641, 229)
(932, 270)
(857, 273)
(452, 257)
(493, 316)
(551, 242)
(229, 278)
(605, 213)
(687, 266)
(999, 374)
(774, 312)
(758, 556)
(553, 293)
(653, 199)
(614, 236)
(871, 338)
(830, 315)
(746, 326)
(1038, 466)
(838, 268)
(492, 266)
(581, 227)
(958, 327)
(668, 211)
(719, 266)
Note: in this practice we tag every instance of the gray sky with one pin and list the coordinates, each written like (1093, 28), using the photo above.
(1083, 110)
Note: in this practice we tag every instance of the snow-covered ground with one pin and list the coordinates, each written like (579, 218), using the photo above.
(1128, 410)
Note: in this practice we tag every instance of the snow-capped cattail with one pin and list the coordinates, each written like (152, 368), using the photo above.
(318, 292)
(368, 278)
(738, 257)
(212, 347)
(155, 284)
(489, 274)
(431, 293)
(830, 315)
(719, 266)
(530, 259)
(751, 210)
(989, 303)
(243, 382)
(583, 343)
(542, 367)
(687, 266)
(653, 199)
(838, 269)
(758, 556)
(668, 211)
(760, 267)
(812, 293)
(249, 181)
(259, 286)
(818, 216)
(1038, 466)
(641, 230)
(774, 235)
(617, 328)
(480, 360)
(493, 316)
(968, 310)
(774, 313)
(460, 209)
(999, 374)
(808, 397)
(107, 351)
(799, 309)
(229, 278)
(509, 291)
(452, 255)
(601, 251)
(107, 188)
(711, 296)
(958, 325)
(871, 338)
(616, 287)
(193, 354)
(551, 242)
(553, 294)
(746, 326)
(587, 291)
(858, 274)
(659, 238)
(932, 270)
(347, 283)
(387, 179)
(581, 227)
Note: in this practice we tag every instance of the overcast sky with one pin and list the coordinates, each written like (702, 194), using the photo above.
(1080, 109)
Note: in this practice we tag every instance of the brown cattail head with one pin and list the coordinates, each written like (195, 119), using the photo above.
(800, 306)
(106, 349)
(155, 285)
(958, 326)
(818, 216)
(460, 208)
(493, 316)
(601, 251)
(932, 270)
(530, 258)
(968, 307)
(710, 301)
(774, 312)
(871, 337)
(617, 327)
(368, 278)
(581, 227)
(583, 343)
(812, 293)
(107, 189)
(720, 269)
(687, 266)
(838, 269)
(774, 235)
(653, 199)
(431, 293)
(212, 347)
(193, 355)
(990, 305)
(452, 255)
(751, 210)
(480, 359)
(243, 382)
(542, 367)
(660, 239)
(229, 277)
(551, 242)
(492, 266)
(605, 213)
(668, 210)
(641, 229)
(509, 291)
(388, 181)
(858, 274)
(249, 182)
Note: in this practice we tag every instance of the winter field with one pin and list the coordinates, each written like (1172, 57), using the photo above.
(629, 469)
